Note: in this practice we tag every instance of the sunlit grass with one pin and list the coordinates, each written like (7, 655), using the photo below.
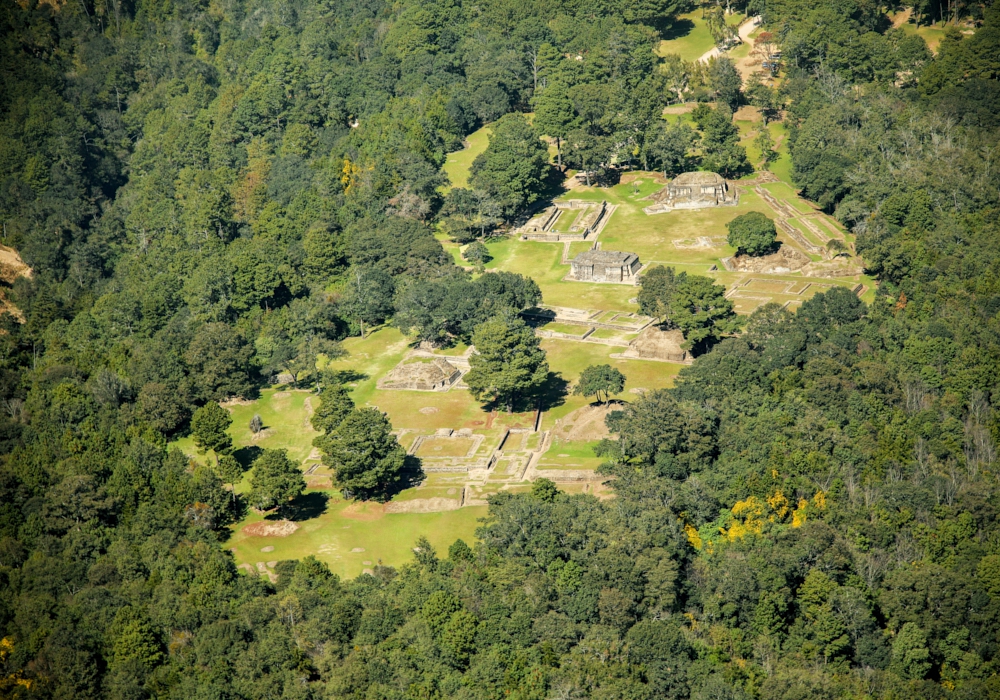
(459, 163)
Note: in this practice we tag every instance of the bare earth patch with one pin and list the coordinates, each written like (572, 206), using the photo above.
(319, 482)
(423, 505)
(261, 434)
(235, 401)
(270, 528)
(427, 410)
(787, 259)
(585, 424)
(363, 511)
(679, 109)
(747, 113)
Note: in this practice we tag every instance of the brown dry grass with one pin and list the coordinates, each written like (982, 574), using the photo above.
(363, 510)
(585, 424)
(423, 505)
(268, 528)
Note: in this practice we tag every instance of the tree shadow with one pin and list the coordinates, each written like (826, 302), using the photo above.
(344, 376)
(678, 29)
(305, 507)
(552, 392)
(246, 455)
(411, 476)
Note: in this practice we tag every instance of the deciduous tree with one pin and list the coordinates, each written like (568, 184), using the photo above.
(598, 379)
(752, 233)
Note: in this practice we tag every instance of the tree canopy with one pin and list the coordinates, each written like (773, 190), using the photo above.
(598, 379)
(513, 167)
(809, 511)
(508, 363)
(367, 460)
(752, 234)
(275, 480)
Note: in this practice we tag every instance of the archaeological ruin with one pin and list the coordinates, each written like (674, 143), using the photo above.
(422, 374)
(696, 190)
(605, 266)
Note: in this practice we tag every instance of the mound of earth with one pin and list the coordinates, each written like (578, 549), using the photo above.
(785, 260)
(654, 343)
(270, 528)
(585, 424)
(423, 505)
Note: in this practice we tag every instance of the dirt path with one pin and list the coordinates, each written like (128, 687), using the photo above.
(744, 31)
(902, 18)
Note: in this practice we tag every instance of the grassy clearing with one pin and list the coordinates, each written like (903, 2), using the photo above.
(790, 195)
(286, 425)
(782, 165)
(689, 37)
(453, 249)
(569, 328)
(459, 162)
(385, 537)
(672, 237)
(570, 454)
(568, 358)
(577, 247)
(543, 263)
(440, 446)
(610, 334)
(931, 33)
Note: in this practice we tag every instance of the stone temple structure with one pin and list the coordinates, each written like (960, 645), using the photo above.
(694, 191)
(435, 374)
(605, 266)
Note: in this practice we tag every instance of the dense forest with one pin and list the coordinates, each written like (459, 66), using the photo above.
(210, 192)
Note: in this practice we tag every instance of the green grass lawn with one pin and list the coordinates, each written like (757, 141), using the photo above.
(672, 237)
(570, 454)
(689, 37)
(931, 33)
(458, 164)
(286, 424)
(543, 263)
(385, 537)
(786, 192)
(453, 249)
(568, 358)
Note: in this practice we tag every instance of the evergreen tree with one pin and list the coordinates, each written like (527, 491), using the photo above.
(513, 167)
(669, 147)
(275, 481)
(554, 115)
(692, 303)
(229, 471)
(477, 253)
(508, 361)
(765, 145)
(367, 460)
(656, 291)
(209, 425)
(725, 81)
(368, 296)
(720, 143)
(335, 405)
